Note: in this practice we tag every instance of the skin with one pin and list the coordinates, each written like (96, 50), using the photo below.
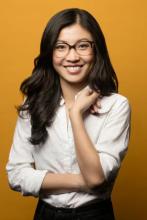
(72, 84)
(91, 175)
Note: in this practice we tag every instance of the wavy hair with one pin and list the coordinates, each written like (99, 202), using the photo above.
(42, 89)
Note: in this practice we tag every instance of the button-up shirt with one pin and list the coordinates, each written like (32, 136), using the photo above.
(109, 132)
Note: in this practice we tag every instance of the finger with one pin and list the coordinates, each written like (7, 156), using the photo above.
(98, 103)
(92, 111)
(87, 90)
(96, 109)
(94, 95)
(91, 99)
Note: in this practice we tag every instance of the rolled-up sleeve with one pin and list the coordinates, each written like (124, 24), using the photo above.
(22, 175)
(113, 141)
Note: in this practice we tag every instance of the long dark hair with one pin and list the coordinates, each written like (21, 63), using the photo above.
(42, 89)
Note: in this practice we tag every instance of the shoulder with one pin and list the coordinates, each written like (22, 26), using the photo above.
(23, 123)
(113, 102)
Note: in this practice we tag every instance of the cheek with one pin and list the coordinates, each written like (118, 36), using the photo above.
(89, 59)
(56, 61)
(57, 64)
(90, 62)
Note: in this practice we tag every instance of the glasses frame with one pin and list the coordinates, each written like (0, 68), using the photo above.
(74, 47)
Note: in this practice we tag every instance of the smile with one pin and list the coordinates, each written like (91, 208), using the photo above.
(73, 69)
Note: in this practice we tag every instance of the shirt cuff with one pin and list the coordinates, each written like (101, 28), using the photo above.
(33, 185)
(109, 165)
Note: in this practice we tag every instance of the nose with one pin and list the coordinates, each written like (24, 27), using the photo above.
(72, 55)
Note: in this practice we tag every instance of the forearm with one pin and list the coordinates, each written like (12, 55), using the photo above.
(55, 183)
(87, 156)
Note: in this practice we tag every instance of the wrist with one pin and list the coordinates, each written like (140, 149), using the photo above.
(74, 112)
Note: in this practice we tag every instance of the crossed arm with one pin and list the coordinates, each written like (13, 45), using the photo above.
(91, 172)
(88, 159)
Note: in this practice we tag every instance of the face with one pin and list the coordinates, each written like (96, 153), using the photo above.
(73, 68)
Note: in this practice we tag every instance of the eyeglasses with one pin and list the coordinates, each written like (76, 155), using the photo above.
(82, 47)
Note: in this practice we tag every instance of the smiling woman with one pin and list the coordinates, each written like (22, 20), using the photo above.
(73, 127)
(76, 60)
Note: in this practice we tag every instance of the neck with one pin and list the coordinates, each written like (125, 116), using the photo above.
(69, 90)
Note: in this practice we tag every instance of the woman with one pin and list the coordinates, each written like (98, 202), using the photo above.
(73, 127)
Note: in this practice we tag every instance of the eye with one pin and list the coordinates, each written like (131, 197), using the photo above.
(61, 47)
(83, 45)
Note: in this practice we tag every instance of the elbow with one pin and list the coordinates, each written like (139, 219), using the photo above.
(96, 183)
(14, 185)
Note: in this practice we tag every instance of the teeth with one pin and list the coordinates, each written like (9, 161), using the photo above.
(73, 68)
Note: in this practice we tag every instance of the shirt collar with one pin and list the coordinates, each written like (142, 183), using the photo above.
(62, 101)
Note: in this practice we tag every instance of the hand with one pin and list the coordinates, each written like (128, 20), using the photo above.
(94, 109)
(86, 99)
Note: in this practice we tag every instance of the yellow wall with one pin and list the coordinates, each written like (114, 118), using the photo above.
(124, 24)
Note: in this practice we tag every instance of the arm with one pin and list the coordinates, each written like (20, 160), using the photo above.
(104, 159)
(113, 140)
(63, 183)
(22, 175)
(87, 156)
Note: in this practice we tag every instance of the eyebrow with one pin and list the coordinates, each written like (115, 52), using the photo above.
(82, 39)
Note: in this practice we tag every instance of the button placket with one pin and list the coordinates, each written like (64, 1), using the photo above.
(70, 146)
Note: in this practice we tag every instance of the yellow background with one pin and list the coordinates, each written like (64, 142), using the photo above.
(124, 24)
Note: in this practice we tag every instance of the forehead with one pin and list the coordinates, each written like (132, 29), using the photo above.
(73, 33)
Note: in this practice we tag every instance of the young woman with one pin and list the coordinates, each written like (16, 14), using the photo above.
(73, 127)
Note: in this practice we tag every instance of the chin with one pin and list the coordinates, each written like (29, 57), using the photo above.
(76, 81)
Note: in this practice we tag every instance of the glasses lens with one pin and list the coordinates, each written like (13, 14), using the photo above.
(84, 48)
(61, 49)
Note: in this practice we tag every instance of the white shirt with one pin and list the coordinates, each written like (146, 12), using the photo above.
(109, 132)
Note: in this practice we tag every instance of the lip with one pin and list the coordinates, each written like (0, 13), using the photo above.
(73, 65)
(73, 69)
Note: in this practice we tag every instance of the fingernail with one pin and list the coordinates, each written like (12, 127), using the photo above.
(99, 105)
